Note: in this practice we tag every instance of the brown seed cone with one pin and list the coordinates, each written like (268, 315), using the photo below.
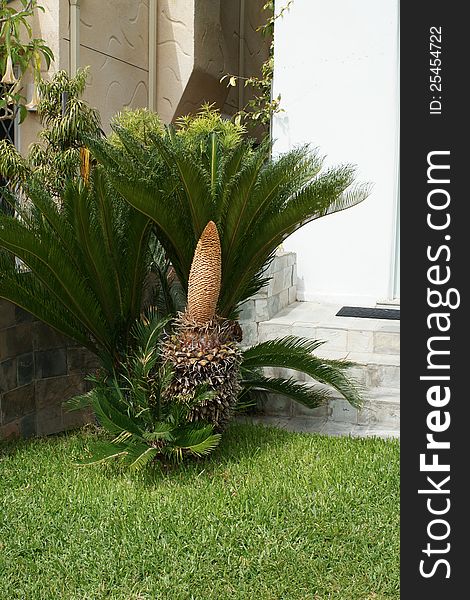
(204, 355)
(85, 164)
(205, 276)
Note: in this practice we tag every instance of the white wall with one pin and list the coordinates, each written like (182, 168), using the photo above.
(336, 67)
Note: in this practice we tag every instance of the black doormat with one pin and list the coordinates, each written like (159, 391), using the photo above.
(369, 313)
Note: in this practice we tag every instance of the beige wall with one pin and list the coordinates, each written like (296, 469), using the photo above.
(114, 43)
(175, 53)
(197, 43)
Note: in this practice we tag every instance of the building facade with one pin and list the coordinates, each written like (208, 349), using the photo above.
(336, 68)
(167, 55)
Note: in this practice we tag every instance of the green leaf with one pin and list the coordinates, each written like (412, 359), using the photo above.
(103, 452)
(142, 457)
(296, 353)
(23, 113)
(300, 392)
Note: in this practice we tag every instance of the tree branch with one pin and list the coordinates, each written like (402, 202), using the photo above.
(28, 11)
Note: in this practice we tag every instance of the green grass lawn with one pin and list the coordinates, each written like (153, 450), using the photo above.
(271, 515)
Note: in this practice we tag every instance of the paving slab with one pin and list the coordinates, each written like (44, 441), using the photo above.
(323, 426)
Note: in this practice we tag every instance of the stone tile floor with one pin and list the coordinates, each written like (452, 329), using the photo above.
(323, 425)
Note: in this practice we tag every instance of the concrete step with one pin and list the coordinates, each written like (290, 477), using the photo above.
(347, 334)
(373, 344)
(381, 408)
(322, 426)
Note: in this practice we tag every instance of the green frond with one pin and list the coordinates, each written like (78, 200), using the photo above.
(140, 456)
(87, 258)
(111, 418)
(25, 291)
(122, 437)
(82, 401)
(160, 431)
(104, 452)
(194, 438)
(300, 392)
(195, 191)
(296, 353)
(256, 202)
(278, 350)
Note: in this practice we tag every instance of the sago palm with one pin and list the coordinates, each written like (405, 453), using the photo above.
(202, 350)
(255, 203)
(84, 263)
(134, 407)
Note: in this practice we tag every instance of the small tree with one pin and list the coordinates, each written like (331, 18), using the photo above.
(56, 157)
(19, 52)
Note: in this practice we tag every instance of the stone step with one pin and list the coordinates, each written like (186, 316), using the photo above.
(381, 407)
(371, 370)
(348, 334)
(372, 344)
(322, 426)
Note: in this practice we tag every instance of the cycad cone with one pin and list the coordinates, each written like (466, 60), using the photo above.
(202, 350)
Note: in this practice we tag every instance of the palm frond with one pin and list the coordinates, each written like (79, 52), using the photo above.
(111, 418)
(104, 452)
(195, 439)
(255, 201)
(86, 257)
(296, 353)
(82, 401)
(300, 392)
(138, 457)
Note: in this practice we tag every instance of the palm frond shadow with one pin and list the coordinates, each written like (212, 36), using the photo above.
(238, 444)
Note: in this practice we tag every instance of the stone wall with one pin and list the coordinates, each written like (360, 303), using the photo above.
(39, 369)
(276, 295)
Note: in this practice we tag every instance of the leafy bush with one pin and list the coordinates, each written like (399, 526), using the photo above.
(132, 405)
(87, 259)
(67, 119)
(141, 121)
(195, 129)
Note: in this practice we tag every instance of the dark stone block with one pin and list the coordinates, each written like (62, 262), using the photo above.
(45, 338)
(23, 316)
(28, 425)
(10, 431)
(15, 340)
(49, 420)
(18, 403)
(51, 363)
(8, 375)
(53, 391)
(25, 368)
(76, 418)
(7, 314)
(81, 360)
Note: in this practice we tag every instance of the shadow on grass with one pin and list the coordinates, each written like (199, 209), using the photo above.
(12, 446)
(239, 443)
